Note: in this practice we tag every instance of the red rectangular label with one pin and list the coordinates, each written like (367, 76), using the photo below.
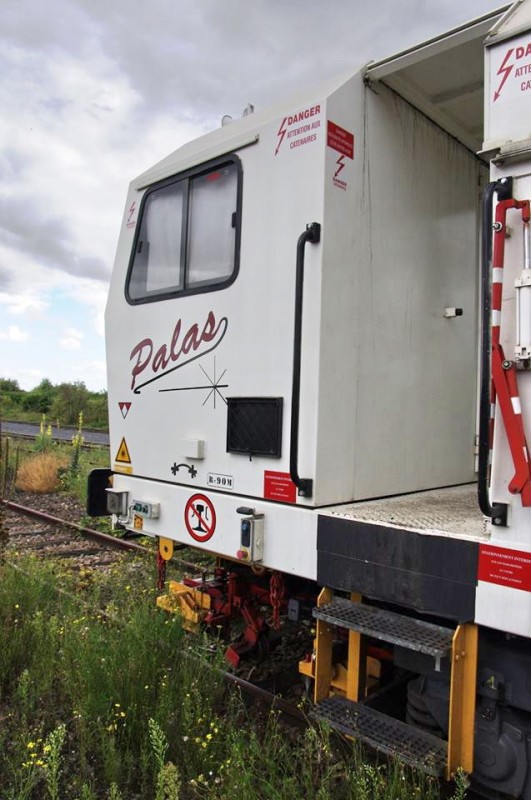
(505, 567)
(279, 486)
(339, 139)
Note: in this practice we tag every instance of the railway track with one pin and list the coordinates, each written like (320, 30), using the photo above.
(29, 531)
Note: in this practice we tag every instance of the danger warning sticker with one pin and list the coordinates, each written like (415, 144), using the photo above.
(342, 141)
(200, 518)
(279, 486)
(505, 567)
(123, 453)
(123, 459)
(299, 129)
(339, 139)
(512, 70)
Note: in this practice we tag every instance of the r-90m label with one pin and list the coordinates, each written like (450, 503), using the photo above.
(217, 481)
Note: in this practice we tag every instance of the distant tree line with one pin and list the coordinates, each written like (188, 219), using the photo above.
(61, 403)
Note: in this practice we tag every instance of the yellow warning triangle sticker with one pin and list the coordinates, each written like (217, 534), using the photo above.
(123, 453)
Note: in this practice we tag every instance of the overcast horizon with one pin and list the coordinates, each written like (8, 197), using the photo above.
(94, 93)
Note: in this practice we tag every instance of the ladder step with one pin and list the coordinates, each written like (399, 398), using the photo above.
(386, 734)
(414, 634)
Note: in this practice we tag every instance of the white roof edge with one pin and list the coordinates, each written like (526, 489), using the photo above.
(503, 29)
(480, 26)
(240, 133)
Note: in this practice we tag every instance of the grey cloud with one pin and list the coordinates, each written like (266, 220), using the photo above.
(205, 56)
(44, 26)
(26, 228)
(12, 165)
(6, 278)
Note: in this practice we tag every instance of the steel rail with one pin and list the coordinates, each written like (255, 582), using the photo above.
(272, 700)
(90, 533)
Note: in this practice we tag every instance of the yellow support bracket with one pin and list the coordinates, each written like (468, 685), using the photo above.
(463, 679)
(355, 673)
(323, 651)
(165, 548)
(191, 603)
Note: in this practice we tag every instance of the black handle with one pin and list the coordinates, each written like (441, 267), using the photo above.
(312, 234)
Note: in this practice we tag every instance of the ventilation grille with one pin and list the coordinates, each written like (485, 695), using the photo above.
(254, 426)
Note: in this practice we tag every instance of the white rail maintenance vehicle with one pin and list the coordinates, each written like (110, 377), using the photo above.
(319, 361)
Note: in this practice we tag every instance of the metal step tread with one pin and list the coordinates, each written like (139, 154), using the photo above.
(386, 734)
(414, 634)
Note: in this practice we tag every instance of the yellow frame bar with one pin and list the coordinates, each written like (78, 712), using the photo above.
(323, 651)
(355, 680)
(463, 680)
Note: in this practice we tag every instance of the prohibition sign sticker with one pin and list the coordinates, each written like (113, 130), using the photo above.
(200, 518)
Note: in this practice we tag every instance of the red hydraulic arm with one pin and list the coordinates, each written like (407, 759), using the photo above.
(504, 386)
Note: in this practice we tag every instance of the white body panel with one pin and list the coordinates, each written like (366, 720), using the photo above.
(388, 372)
(290, 533)
(387, 395)
(508, 128)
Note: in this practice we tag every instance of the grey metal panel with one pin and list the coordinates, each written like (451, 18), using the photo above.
(452, 511)
(443, 78)
(411, 745)
(430, 574)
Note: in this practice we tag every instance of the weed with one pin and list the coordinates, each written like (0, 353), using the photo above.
(114, 793)
(43, 440)
(40, 473)
(52, 760)
(24, 782)
(171, 782)
(86, 793)
(159, 746)
(77, 441)
(462, 783)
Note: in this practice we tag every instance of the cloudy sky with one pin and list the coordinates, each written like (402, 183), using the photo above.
(93, 92)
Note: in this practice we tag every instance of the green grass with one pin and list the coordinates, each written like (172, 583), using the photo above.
(103, 696)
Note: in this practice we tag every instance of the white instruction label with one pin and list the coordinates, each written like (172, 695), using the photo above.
(217, 481)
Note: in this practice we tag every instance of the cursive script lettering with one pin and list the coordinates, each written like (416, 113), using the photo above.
(192, 341)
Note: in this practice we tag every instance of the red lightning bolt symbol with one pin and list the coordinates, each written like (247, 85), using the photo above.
(505, 71)
(340, 165)
(131, 211)
(281, 133)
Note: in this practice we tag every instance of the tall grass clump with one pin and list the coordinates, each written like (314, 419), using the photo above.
(102, 695)
(40, 473)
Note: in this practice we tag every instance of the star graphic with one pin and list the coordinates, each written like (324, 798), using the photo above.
(215, 384)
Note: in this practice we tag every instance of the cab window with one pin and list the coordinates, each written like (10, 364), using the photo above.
(187, 237)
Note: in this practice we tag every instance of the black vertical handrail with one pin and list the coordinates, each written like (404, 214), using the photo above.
(503, 188)
(312, 234)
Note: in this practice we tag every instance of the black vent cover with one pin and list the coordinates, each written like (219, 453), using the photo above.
(254, 426)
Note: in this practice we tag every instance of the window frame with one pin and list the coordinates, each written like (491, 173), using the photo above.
(186, 177)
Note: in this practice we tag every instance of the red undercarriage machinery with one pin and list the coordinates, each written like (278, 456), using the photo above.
(237, 599)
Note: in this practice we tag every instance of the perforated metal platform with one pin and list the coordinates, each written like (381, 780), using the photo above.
(390, 736)
(442, 512)
(423, 637)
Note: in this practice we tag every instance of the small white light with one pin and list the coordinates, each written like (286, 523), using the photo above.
(117, 502)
